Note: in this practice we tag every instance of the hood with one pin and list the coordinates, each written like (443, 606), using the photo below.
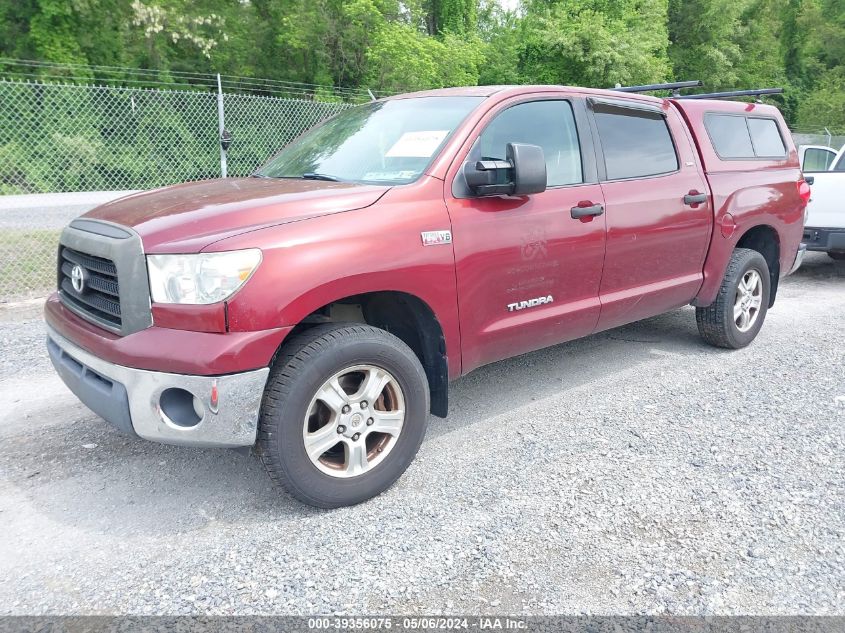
(188, 217)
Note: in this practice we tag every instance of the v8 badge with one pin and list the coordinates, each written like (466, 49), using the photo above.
(435, 238)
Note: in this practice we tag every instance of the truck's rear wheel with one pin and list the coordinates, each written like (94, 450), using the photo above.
(736, 316)
(344, 413)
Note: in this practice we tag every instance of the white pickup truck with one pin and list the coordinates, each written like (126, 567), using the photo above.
(824, 228)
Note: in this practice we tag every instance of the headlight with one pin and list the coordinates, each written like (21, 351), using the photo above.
(201, 278)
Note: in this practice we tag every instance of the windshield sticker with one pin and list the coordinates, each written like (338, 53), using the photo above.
(417, 144)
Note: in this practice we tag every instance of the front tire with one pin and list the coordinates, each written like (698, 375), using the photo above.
(344, 413)
(733, 320)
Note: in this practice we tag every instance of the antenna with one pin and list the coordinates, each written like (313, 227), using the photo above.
(674, 87)
(735, 93)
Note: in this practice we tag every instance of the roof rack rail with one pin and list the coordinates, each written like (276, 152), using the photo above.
(674, 87)
(735, 93)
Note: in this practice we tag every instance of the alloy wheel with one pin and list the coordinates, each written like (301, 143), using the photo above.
(354, 421)
(749, 298)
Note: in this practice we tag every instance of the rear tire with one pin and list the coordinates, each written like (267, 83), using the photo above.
(837, 255)
(344, 412)
(733, 320)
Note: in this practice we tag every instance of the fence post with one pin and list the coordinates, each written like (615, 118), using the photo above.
(221, 127)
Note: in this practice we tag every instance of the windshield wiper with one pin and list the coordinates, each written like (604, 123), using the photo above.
(310, 175)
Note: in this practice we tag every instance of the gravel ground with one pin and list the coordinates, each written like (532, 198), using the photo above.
(636, 471)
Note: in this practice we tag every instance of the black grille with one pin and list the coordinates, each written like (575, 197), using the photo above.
(100, 296)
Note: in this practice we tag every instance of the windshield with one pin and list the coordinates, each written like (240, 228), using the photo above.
(385, 142)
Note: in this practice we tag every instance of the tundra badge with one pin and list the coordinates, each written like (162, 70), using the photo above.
(530, 303)
(434, 238)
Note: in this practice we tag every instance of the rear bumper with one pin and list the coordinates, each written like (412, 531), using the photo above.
(824, 239)
(163, 407)
(799, 258)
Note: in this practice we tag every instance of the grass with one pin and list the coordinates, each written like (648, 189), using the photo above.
(27, 263)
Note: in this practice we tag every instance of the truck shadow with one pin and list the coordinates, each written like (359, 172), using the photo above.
(519, 381)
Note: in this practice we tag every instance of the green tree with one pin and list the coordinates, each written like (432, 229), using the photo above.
(761, 39)
(738, 44)
(398, 45)
(593, 42)
(502, 32)
(821, 28)
(704, 40)
(403, 58)
(824, 105)
(458, 17)
(79, 32)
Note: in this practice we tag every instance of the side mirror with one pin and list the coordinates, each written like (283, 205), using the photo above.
(521, 173)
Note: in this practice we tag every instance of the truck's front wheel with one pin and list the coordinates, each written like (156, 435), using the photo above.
(344, 413)
(736, 316)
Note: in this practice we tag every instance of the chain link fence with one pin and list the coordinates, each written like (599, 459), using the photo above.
(825, 139)
(83, 138)
(63, 137)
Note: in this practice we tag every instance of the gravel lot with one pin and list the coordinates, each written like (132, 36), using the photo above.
(636, 471)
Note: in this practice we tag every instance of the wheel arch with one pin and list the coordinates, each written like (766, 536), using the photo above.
(404, 315)
(764, 239)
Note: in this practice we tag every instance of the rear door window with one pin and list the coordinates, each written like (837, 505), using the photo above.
(636, 143)
(737, 136)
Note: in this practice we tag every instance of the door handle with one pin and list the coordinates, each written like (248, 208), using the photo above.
(583, 212)
(693, 197)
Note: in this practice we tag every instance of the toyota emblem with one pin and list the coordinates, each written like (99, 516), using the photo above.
(77, 278)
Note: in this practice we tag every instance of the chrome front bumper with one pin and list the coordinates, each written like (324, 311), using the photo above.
(210, 411)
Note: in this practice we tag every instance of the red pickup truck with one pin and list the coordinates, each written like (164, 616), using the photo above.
(319, 308)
